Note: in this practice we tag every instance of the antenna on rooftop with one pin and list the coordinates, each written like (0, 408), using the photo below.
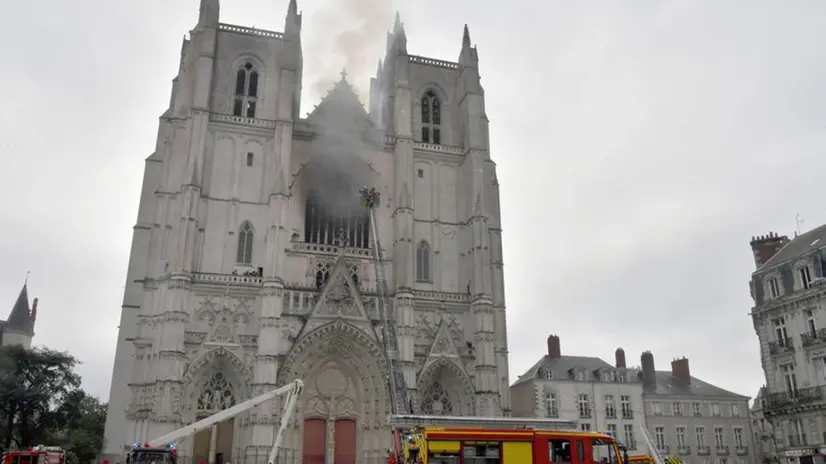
(26, 281)
(798, 221)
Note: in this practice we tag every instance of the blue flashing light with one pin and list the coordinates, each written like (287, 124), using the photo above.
(134, 446)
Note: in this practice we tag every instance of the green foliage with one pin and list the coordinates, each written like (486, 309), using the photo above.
(41, 403)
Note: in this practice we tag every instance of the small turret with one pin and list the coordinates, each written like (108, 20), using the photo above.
(209, 12)
(292, 24)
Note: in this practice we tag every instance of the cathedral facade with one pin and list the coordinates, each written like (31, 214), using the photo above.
(252, 262)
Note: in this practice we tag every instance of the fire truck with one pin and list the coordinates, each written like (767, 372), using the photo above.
(503, 440)
(35, 455)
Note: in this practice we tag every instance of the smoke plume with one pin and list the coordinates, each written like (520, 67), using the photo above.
(350, 35)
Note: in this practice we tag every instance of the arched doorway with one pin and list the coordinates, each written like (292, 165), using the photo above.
(343, 413)
(445, 390)
(216, 380)
(215, 444)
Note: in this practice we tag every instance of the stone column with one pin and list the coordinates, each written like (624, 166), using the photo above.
(213, 442)
(330, 455)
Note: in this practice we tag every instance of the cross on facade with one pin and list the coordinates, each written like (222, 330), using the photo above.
(343, 74)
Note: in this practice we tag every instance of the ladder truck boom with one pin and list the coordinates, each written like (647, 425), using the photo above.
(291, 391)
(655, 453)
(399, 396)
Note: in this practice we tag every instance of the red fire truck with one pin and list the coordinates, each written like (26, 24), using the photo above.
(35, 455)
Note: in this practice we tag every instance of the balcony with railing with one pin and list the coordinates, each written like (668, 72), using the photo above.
(627, 414)
(798, 440)
(742, 450)
(703, 450)
(584, 413)
(722, 450)
(665, 449)
(813, 339)
(684, 450)
(780, 347)
(797, 398)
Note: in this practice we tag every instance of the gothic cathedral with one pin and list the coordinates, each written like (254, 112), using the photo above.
(252, 262)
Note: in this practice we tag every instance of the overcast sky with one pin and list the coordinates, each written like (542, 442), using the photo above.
(639, 146)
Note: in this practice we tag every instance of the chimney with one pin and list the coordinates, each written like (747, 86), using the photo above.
(553, 347)
(649, 375)
(33, 313)
(680, 370)
(766, 246)
(619, 355)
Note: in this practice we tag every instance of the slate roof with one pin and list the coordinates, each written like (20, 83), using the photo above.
(668, 385)
(798, 246)
(20, 316)
(560, 367)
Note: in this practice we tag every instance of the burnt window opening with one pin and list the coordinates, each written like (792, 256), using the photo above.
(250, 157)
(246, 91)
(421, 173)
(326, 226)
(431, 118)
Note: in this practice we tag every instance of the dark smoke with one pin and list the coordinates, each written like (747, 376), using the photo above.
(350, 34)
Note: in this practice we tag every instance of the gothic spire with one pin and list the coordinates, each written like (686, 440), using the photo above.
(20, 316)
(466, 37)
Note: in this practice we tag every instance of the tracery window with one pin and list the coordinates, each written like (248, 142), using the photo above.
(217, 394)
(245, 240)
(246, 91)
(431, 118)
(437, 401)
(423, 262)
(327, 226)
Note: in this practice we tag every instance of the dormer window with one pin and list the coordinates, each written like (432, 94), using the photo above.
(580, 375)
(805, 276)
(246, 91)
(431, 118)
(773, 287)
(547, 374)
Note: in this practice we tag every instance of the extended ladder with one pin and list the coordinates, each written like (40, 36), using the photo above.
(655, 452)
(398, 388)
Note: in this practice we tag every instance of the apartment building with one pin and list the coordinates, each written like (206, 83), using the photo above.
(597, 395)
(762, 431)
(789, 318)
(696, 420)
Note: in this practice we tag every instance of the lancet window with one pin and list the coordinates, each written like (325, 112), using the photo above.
(245, 240)
(423, 262)
(431, 118)
(246, 91)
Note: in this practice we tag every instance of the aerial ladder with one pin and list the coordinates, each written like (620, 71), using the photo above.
(399, 395)
(163, 449)
(656, 456)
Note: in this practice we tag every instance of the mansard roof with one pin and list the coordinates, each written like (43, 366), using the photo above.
(561, 366)
(20, 316)
(799, 246)
(668, 385)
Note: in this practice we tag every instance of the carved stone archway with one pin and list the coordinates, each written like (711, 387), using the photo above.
(445, 389)
(344, 374)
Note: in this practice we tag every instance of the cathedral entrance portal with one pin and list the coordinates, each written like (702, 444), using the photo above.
(345, 404)
(214, 445)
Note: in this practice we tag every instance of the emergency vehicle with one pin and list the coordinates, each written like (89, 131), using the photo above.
(472, 440)
(35, 455)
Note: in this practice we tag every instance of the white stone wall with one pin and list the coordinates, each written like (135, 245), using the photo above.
(568, 391)
(186, 316)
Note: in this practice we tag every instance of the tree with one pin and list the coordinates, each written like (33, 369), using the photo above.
(77, 426)
(33, 383)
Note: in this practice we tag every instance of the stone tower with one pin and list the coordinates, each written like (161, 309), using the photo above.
(251, 262)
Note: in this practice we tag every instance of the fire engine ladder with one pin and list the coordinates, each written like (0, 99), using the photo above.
(398, 388)
(655, 453)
